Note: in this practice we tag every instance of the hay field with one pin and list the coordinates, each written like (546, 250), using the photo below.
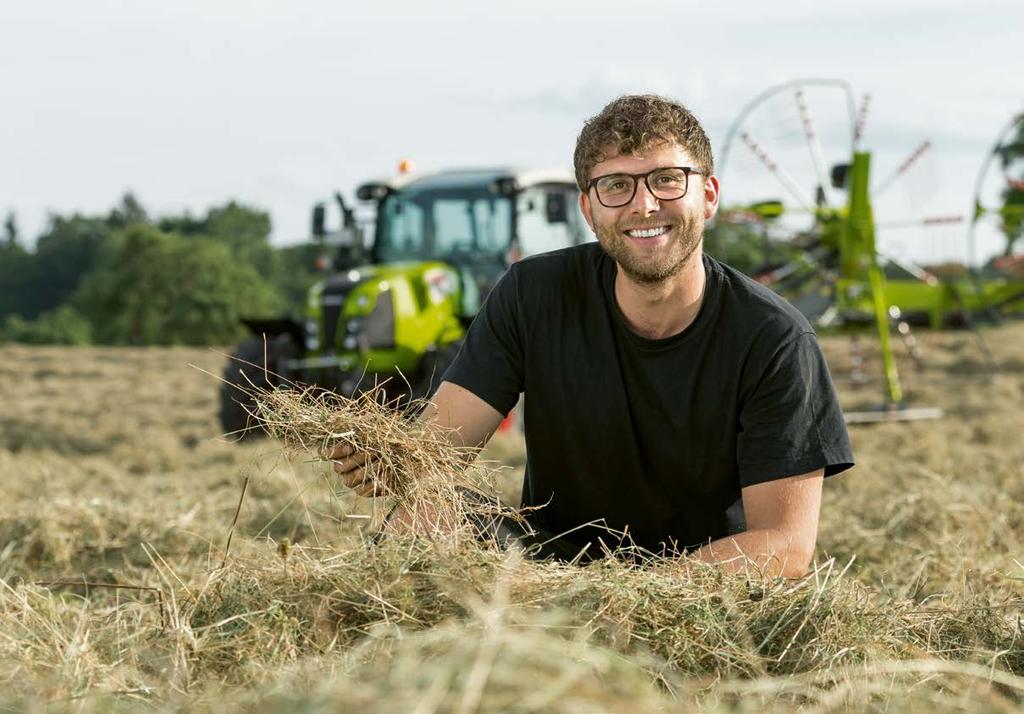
(116, 592)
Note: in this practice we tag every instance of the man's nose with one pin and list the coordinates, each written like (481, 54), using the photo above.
(644, 202)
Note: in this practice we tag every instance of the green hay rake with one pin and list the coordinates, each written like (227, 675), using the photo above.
(832, 268)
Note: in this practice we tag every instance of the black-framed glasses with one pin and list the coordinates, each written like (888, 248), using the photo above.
(668, 183)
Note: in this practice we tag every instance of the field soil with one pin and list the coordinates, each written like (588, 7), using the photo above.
(148, 561)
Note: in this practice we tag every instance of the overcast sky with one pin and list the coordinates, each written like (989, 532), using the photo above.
(191, 103)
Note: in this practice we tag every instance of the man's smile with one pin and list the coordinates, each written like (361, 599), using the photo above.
(652, 232)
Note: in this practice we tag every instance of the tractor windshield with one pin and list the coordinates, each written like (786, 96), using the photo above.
(444, 225)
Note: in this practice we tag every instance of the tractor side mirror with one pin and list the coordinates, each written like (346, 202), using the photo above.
(556, 208)
(318, 220)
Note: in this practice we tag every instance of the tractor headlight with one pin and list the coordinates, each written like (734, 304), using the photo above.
(374, 330)
(353, 332)
(312, 336)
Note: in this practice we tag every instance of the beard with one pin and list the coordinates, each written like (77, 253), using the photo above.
(650, 267)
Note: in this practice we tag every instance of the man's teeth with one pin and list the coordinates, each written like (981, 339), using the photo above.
(647, 232)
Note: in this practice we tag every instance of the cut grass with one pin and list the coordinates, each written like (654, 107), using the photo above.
(305, 615)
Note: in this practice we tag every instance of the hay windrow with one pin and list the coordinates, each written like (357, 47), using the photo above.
(689, 617)
(306, 614)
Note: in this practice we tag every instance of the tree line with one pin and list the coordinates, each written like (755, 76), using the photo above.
(126, 278)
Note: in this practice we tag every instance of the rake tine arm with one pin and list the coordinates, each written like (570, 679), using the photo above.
(902, 168)
(787, 182)
(862, 119)
(814, 145)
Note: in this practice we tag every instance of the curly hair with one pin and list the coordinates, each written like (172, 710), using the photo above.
(634, 123)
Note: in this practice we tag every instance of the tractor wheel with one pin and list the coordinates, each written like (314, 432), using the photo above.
(254, 365)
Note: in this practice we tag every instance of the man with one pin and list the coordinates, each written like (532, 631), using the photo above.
(668, 398)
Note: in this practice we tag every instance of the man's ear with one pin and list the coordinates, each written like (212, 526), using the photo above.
(585, 210)
(711, 194)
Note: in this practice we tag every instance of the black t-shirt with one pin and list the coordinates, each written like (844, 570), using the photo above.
(650, 437)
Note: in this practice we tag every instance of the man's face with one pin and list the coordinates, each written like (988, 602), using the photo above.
(650, 238)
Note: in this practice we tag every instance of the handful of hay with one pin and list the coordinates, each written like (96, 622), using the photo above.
(438, 485)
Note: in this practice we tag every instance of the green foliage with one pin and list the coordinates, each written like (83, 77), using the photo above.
(1011, 216)
(61, 326)
(153, 287)
(126, 278)
(245, 230)
(34, 283)
(741, 245)
(293, 271)
(63, 254)
(11, 235)
(15, 262)
(127, 213)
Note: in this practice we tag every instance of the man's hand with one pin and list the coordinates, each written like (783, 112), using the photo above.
(358, 471)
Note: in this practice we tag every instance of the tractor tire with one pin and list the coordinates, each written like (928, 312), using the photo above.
(245, 374)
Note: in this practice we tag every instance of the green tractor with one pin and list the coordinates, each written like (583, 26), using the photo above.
(392, 312)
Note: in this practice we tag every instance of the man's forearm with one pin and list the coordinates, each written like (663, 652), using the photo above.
(772, 551)
(462, 417)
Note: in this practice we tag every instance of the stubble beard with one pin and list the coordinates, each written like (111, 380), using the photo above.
(686, 233)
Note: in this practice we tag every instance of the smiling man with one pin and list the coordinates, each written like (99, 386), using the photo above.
(671, 404)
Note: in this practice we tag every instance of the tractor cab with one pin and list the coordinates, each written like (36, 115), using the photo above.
(477, 221)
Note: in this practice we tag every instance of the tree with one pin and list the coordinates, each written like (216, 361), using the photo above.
(67, 251)
(15, 264)
(11, 237)
(245, 230)
(186, 280)
(294, 270)
(153, 287)
(127, 213)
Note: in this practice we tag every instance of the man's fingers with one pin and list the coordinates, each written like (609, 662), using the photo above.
(365, 477)
(343, 466)
(366, 489)
(371, 487)
(351, 479)
(368, 474)
(341, 451)
(359, 471)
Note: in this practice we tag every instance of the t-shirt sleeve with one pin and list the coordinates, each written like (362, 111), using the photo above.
(490, 361)
(791, 422)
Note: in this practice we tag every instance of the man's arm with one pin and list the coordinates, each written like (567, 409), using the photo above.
(782, 528)
(464, 418)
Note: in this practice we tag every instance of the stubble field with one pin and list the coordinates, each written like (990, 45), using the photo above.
(118, 589)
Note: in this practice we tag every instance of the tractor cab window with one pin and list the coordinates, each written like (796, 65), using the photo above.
(437, 225)
(548, 219)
